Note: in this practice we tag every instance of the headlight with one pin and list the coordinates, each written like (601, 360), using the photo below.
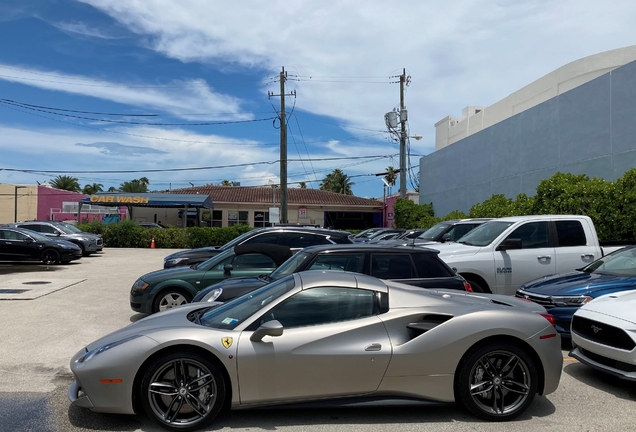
(90, 354)
(571, 300)
(84, 239)
(140, 285)
(213, 295)
(174, 261)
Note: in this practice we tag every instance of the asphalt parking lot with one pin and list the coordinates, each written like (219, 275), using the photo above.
(45, 323)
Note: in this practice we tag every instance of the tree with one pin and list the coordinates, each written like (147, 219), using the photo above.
(302, 185)
(66, 183)
(391, 176)
(135, 186)
(112, 189)
(226, 183)
(337, 182)
(92, 189)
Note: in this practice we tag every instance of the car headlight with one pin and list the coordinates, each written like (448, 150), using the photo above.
(84, 239)
(90, 354)
(140, 285)
(174, 261)
(212, 295)
(571, 300)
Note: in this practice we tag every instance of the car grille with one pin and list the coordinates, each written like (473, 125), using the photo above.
(614, 364)
(602, 333)
(542, 300)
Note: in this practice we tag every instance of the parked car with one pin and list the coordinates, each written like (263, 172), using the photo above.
(151, 225)
(366, 233)
(88, 242)
(383, 236)
(17, 244)
(375, 234)
(450, 230)
(562, 295)
(164, 289)
(294, 237)
(604, 334)
(414, 266)
(327, 337)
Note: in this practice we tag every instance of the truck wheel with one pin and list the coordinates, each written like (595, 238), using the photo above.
(475, 286)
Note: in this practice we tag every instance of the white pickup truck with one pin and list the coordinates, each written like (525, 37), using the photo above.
(501, 255)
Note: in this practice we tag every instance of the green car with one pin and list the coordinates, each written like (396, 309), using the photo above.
(164, 289)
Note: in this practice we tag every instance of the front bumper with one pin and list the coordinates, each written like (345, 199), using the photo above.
(620, 369)
(70, 255)
(139, 302)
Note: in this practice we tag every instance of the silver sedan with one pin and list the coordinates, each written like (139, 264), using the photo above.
(324, 338)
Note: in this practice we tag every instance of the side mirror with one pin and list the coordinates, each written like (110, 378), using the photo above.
(446, 237)
(509, 244)
(227, 269)
(270, 328)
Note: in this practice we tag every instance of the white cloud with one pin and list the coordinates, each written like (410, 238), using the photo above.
(177, 97)
(82, 29)
(460, 53)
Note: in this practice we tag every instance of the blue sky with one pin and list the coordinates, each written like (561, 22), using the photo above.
(78, 80)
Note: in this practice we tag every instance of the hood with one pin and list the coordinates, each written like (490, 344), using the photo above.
(450, 250)
(620, 305)
(169, 273)
(231, 288)
(578, 283)
(171, 318)
(198, 252)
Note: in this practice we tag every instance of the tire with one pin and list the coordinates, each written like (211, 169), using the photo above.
(182, 401)
(170, 298)
(497, 382)
(475, 286)
(50, 256)
(81, 246)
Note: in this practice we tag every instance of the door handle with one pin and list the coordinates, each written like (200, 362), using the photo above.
(587, 255)
(374, 347)
(544, 257)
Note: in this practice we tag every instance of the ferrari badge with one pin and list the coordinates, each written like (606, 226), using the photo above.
(227, 342)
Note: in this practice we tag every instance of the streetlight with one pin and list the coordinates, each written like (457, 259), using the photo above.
(15, 207)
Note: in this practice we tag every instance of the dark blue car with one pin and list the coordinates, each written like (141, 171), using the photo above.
(562, 295)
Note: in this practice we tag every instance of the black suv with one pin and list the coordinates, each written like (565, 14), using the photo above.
(414, 266)
(295, 238)
(450, 230)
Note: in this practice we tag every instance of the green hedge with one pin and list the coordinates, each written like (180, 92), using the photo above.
(128, 234)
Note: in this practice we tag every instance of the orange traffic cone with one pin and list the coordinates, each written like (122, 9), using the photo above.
(152, 243)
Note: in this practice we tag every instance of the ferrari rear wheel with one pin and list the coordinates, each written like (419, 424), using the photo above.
(497, 382)
(183, 391)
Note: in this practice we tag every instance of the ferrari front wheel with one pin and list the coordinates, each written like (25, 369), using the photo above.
(183, 391)
(497, 382)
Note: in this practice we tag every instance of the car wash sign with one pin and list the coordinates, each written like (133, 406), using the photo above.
(119, 199)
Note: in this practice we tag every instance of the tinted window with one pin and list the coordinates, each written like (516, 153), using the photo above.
(271, 238)
(533, 235)
(391, 266)
(352, 263)
(32, 227)
(322, 306)
(570, 233)
(430, 266)
(458, 231)
(47, 229)
(254, 261)
(301, 240)
(12, 235)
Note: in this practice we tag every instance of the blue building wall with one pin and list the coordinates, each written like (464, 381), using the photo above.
(590, 129)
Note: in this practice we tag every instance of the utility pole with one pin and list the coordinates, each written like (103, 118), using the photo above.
(283, 146)
(403, 118)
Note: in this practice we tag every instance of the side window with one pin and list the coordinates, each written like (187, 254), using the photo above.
(458, 231)
(14, 235)
(301, 240)
(252, 261)
(47, 229)
(352, 263)
(391, 266)
(570, 233)
(533, 235)
(33, 227)
(323, 306)
(428, 265)
(270, 238)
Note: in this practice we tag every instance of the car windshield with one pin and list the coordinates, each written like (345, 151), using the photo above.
(484, 234)
(434, 232)
(367, 233)
(290, 266)
(214, 261)
(237, 240)
(231, 314)
(69, 228)
(621, 263)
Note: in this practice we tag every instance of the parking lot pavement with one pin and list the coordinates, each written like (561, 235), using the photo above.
(40, 334)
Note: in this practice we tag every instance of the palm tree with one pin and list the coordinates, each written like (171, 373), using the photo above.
(302, 185)
(391, 176)
(93, 189)
(112, 189)
(135, 186)
(144, 181)
(226, 183)
(66, 183)
(337, 182)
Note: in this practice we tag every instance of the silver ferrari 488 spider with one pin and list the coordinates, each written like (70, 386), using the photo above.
(324, 338)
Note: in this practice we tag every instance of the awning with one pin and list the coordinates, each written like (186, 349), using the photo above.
(156, 200)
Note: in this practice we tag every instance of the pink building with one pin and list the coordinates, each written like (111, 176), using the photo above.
(388, 206)
(61, 205)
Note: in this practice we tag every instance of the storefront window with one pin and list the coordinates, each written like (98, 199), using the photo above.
(261, 219)
(217, 218)
(237, 217)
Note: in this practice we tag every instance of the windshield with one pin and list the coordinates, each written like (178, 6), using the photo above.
(621, 263)
(367, 233)
(37, 236)
(69, 228)
(484, 234)
(216, 260)
(237, 240)
(231, 314)
(290, 266)
(435, 232)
